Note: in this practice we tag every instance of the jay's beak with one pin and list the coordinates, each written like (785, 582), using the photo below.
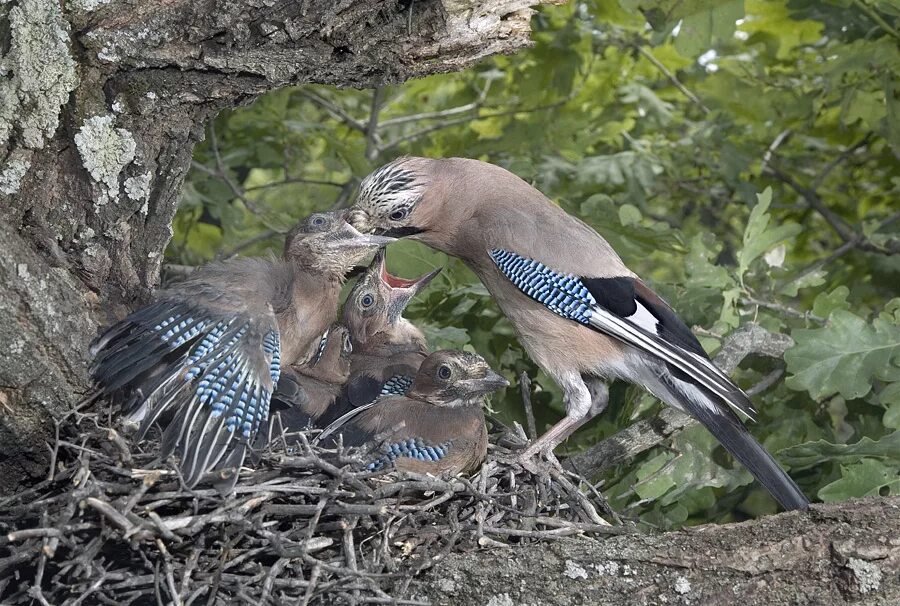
(490, 382)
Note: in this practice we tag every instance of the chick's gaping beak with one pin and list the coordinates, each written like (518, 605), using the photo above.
(400, 290)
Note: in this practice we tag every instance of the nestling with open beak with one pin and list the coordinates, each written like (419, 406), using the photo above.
(579, 312)
(438, 426)
(387, 348)
(208, 353)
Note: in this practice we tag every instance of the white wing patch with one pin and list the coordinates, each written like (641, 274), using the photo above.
(643, 318)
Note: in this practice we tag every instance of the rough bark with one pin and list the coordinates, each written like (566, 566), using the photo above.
(833, 554)
(101, 103)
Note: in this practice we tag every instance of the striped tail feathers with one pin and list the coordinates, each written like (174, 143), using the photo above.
(698, 368)
(326, 437)
(728, 429)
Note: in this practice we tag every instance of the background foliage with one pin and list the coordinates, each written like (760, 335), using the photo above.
(741, 155)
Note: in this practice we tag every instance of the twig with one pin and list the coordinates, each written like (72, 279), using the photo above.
(842, 157)
(371, 132)
(671, 77)
(525, 387)
(333, 109)
(878, 19)
(782, 309)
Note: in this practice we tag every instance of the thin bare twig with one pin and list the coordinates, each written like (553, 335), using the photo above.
(525, 387)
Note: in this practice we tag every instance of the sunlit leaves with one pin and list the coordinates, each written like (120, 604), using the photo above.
(759, 235)
(701, 28)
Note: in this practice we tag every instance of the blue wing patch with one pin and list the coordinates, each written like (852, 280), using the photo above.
(563, 294)
(413, 448)
(397, 385)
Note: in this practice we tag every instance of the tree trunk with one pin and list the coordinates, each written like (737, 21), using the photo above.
(101, 103)
(833, 554)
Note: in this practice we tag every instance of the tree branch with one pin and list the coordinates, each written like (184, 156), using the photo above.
(837, 553)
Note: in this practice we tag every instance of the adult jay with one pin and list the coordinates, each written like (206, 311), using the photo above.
(579, 312)
(207, 354)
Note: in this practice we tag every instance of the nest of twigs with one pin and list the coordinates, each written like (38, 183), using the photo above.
(111, 525)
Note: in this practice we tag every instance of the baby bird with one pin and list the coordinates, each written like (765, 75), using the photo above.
(306, 393)
(208, 352)
(438, 426)
(387, 348)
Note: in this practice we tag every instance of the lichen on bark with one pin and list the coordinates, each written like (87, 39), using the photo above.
(38, 74)
(105, 151)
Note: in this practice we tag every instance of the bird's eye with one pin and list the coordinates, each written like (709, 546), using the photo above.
(318, 221)
(399, 214)
(444, 372)
(367, 301)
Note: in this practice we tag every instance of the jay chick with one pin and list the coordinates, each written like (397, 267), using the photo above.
(581, 314)
(306, 393)
(438, 426)
(388, 348)
(208, 353)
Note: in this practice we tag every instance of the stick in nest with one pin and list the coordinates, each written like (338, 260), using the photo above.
(309, 527)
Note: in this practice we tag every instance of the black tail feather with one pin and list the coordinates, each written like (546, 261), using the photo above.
(728, 429)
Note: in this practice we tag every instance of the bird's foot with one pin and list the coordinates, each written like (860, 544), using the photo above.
(537, 463)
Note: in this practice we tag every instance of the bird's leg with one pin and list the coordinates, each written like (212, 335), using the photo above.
(582, 404)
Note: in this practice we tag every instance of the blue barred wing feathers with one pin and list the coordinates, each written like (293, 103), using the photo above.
(624, 309)
(206, 374)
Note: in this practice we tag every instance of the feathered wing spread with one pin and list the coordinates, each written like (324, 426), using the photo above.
(206, 364)
(625, 309)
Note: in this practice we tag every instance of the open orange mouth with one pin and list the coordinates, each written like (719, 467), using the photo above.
(395, 281)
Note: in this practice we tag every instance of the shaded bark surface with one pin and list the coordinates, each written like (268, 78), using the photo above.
(101, 103)
(833, 554)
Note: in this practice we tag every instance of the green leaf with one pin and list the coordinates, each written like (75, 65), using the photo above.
(826, 303)
(652, 481)
(863, 479)
(629, 215)
(698, 30)
(842, 357)
(700, 267)
(891, 418)
(758, 236)
(821, 451)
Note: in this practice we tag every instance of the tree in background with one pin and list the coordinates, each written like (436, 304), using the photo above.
(742, 155)
(101, 103)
